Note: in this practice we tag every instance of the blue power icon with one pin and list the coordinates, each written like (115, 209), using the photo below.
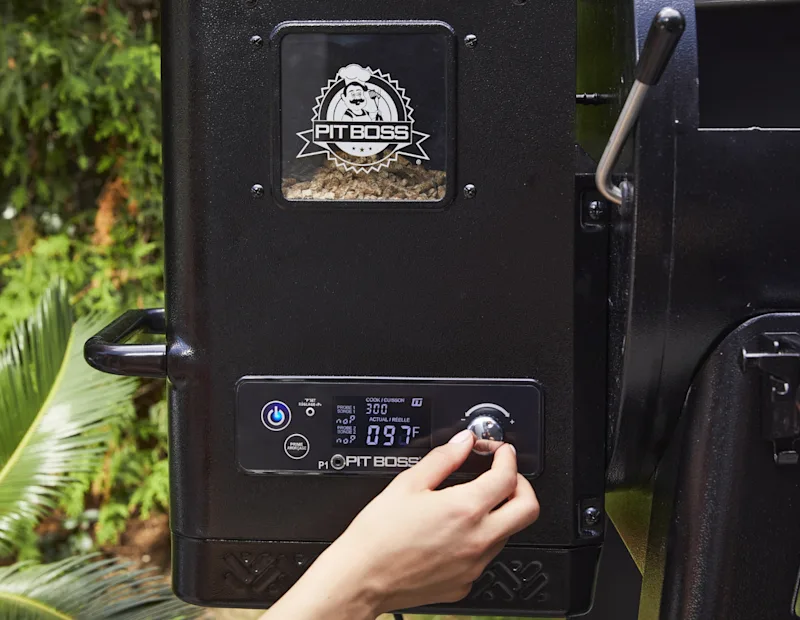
(276, 415)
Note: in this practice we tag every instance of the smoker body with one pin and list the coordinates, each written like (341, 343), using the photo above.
(479, 287)
(505, 280)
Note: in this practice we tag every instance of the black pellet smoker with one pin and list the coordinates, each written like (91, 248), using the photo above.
(569, 226)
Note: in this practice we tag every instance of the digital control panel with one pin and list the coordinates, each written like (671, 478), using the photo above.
(381, 426)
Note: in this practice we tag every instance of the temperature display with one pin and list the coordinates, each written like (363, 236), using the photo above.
(382, 422)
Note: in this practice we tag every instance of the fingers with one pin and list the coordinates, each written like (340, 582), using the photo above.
(497, 484)
(440, 463)
(521, 509)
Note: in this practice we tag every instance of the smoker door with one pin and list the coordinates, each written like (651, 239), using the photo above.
(484, 271)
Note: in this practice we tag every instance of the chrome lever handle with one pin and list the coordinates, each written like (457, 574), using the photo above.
(665, 32)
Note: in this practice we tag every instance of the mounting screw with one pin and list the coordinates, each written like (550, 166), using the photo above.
(470, 191)
(597, 210)
(520, 2)
(256, 41)
(471, 41)
(250, 3)
(257, 191)
(591, 516)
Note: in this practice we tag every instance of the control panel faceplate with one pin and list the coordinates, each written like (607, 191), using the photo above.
(333, 426)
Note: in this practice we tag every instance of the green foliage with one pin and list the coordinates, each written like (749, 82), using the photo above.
(137, 475)
(54, 427)
(86, 588)
(80, 146)
(111, 523)
(80, 198)
(54, 412)
(125, 274)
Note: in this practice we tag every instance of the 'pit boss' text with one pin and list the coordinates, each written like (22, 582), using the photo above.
(353, 131)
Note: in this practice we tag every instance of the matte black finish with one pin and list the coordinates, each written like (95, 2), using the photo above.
(639, 295)
(665, 32)
(106, 353)
(505, 284)
(747, 69)
(521, 581)
(710, 242)
(305, 293)
(728, 520)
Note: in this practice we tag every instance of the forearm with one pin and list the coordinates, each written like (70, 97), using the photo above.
(328, 591)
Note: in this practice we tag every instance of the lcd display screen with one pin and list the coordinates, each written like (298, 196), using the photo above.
(382, 422)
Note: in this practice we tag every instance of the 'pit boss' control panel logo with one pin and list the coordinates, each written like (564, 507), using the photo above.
(363, 121)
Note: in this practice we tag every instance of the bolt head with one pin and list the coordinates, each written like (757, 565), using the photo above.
(471, 41)
(256, 41)
(597, 209)
(250, 3)
(470, 191)
(591, 516)
(257, 191)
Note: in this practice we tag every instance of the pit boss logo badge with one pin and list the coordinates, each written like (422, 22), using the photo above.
(363, 121)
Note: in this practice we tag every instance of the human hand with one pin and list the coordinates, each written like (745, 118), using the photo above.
(414, 545)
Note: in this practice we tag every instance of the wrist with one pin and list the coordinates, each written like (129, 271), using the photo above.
(335, 588)
(345, 569)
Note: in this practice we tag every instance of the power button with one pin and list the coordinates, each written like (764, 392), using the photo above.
(276, 415)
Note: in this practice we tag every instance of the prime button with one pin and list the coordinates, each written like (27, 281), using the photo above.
(276, 415)
(296, 447)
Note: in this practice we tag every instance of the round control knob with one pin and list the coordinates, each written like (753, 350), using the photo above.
(487, 430)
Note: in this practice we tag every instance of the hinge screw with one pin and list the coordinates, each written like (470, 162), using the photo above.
(257, 191)
(471, 41)
(470, 191)
(597, 210)
(591, 516)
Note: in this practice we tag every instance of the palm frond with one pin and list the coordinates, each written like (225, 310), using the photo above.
(53, 412)
(85, 587)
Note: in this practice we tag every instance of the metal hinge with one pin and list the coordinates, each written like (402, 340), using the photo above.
(777, 356)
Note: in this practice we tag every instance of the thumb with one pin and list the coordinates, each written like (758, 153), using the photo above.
(440, 462)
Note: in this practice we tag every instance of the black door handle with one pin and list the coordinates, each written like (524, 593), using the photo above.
(107, 352)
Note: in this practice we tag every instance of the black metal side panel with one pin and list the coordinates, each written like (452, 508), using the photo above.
(485, 288)
(724, 536)
(713, 244)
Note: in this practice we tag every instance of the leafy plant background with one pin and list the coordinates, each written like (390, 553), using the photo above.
(80, 198)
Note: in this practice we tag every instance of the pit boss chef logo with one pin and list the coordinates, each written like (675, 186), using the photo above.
(363, 121)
